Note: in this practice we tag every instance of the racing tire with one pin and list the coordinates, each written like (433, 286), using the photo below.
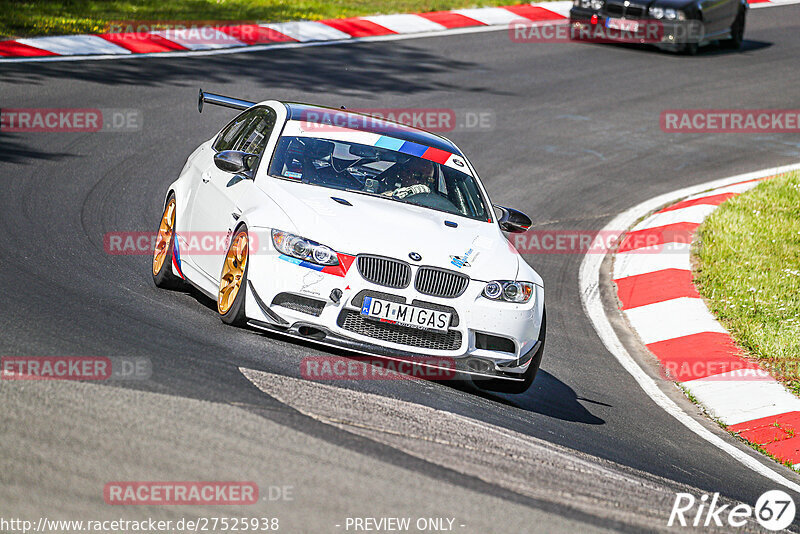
(233, 279)
(737, 33)
(163, 276)
(499, 385)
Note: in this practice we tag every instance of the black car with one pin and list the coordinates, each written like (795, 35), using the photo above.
(677, 25)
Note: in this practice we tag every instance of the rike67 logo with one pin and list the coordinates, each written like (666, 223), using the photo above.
(774, 510)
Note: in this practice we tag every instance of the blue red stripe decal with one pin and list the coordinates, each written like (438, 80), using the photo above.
(389, 143)
(176, 256)
(345, 261)
(301, 263)
(414, 149)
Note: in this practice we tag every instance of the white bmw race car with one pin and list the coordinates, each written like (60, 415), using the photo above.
(355, 232)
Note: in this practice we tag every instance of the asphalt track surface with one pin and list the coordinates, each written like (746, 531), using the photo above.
(576, 140)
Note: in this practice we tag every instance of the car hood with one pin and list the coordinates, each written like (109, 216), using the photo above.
(384, 227)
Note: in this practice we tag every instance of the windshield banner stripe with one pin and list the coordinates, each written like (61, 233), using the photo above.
(389, 143)
(338, 133)
(436, 155)
(413, 148)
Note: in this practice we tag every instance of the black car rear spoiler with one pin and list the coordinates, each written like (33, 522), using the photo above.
(224, 101)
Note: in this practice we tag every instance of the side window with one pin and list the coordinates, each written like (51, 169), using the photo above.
(259, 131)
(232, 132)
(249, 132)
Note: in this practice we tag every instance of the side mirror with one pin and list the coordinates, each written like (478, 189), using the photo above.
(235, 162)
(513, 221)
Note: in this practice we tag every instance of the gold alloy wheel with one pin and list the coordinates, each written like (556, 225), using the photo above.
(165, 231)
(232, 272)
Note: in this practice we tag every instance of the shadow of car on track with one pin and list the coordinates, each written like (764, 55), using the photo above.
(711, 50)
(747, 46)
(345, 68)
(547, 396)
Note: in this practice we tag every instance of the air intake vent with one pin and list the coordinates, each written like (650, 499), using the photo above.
(403, 335)
(441, 282)
(490, 342)
(384, 271)
(299, 303)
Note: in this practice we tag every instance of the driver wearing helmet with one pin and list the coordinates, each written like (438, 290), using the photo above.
(415, 176)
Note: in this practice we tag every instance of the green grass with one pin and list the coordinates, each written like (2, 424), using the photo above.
(748, 269)
(23, 18)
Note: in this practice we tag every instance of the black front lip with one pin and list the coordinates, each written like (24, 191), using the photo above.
(333, 339)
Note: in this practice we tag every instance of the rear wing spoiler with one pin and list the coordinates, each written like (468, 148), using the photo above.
(224, 101)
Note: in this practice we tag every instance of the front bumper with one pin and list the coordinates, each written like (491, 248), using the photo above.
(339, 324)
(466, 366)
(588, 25)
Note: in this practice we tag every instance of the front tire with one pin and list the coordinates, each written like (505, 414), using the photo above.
(163, 276)
(233, 280)
(499, 385)
(737, 33)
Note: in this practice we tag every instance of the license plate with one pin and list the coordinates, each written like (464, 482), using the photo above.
(396, 313)
(623, 24)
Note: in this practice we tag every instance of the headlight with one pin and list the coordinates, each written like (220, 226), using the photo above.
(597, 5)
(303, 249)
(670, 14)
(508, 290)
(657, 12)
(586, 3)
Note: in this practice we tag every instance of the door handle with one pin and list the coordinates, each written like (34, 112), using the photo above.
(205, 177)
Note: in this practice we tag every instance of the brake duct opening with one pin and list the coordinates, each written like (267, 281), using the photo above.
(311, 332)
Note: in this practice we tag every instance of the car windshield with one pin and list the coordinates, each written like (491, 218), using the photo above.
(346, 165)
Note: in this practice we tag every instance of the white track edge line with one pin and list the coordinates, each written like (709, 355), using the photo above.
(589, 283)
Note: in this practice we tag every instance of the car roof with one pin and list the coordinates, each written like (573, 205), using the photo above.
(340, 117)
